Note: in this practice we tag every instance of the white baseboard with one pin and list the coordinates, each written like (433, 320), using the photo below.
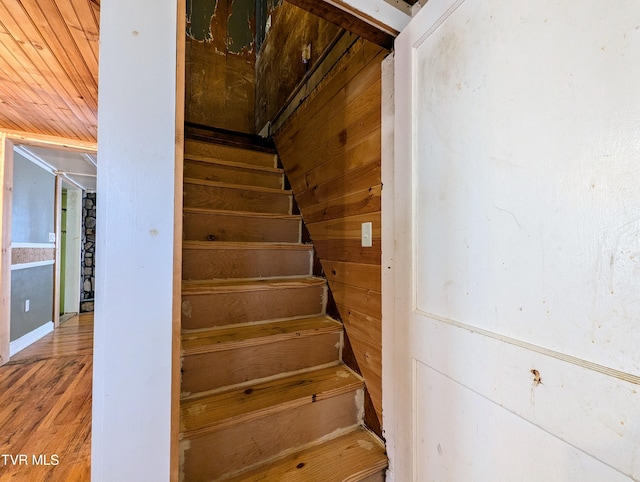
(31, 337)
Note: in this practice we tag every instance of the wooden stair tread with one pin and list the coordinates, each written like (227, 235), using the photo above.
(348, 458)
(239, 165)
(246, 214)
(233, 337)
(204, 413)
(241, 187)
(245, 245)
(193, 287)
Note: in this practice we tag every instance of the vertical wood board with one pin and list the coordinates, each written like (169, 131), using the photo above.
(6, 184)
(341, 120)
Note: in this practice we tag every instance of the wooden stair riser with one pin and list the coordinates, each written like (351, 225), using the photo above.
(231, 449)
(225, 308)
(233, 199)
(210, 371)
(228, 227)
(203, 264)
(211, 171)
(232, 154)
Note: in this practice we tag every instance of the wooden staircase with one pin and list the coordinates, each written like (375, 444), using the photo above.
(265, 395)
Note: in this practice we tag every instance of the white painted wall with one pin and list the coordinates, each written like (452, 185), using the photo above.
(517, 228)
(133, 319)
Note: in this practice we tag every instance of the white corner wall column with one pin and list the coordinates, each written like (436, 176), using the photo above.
(389, 324)
(132, 392)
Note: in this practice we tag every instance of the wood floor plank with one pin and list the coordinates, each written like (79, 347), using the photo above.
(45, 406)
(76, 338)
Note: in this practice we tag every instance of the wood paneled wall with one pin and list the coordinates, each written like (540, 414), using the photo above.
(49, 66)
(220, 64)
(279, 66)
(331, 148)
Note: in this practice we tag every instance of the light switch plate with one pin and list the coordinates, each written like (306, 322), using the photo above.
(367, 230)
(27, 306)
(52, 237)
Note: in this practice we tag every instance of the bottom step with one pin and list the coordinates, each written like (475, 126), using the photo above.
(354, 457)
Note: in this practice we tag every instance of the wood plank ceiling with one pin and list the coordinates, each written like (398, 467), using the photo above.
(49, 67)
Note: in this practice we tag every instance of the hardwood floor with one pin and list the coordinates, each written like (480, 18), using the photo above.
(45, 407)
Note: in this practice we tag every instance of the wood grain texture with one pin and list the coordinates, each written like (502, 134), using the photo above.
(195, 147)
(235, 337)
(349, 227)
(331, 150)
(363, 300)
(218, 195)
(342, 17)
(229, 367)
(279, 66)
(320, 168)
(200, 225)
(220, 84)
(356, 114)
(366, 276)
(211, 304)
(349, 250)
(356, 456)
(176, 313)
(360, 179)
(45, 404)
(261, 375)
(49, 54)
(367, 330)
(206, 413)
(222, 171)
(6, 195)
(210, 260)
(228, 450)
(360, 202)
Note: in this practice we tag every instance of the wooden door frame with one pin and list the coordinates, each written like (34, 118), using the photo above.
(398, 218)
(6, 181)
(176, 358)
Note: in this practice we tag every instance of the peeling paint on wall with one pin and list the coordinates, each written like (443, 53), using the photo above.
(200, 13)
(220, 81)
(240, 36)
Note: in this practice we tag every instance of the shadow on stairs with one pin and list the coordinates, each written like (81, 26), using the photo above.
(265, 395)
